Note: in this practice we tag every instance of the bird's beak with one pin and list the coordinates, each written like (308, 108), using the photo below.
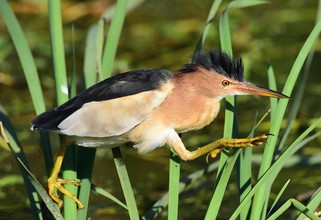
(247, 88)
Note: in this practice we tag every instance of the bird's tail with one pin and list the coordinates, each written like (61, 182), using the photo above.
(49, 120)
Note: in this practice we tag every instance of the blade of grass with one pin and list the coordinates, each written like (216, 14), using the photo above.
(25, 55)
(220, 188)
(245, 3)
(259, 122)
(225, 34)
(106, 194)
(125, 184)
(272, 85)
(104, 63)
(99, 47)
(10, 137)
(230, 125)
(297, 101)
(277, 165)
(229, 129)
(298, 146)
(57, 47)
(107, 61)
(116, 13)
(113, 38)
(158, 206)
(29, 69)
(298, 205)
(69, 172)
(108, 14)
(313, 203)
(52, 206)
(279, 196)
(244, 173)
(225, 40)
(59, 64)
(86, 158)
(209, 21)
(210, 18)
(260, 196)
(90, 64)
(73, 80)
(173, 192)
(301, 88)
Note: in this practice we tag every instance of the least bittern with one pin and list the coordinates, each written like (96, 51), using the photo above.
(150, 108)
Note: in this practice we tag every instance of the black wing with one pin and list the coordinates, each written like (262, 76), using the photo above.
(117, 86)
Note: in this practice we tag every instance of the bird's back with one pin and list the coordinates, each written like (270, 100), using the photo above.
(118, 86)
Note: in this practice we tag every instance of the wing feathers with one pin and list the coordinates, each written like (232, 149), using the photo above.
(113, 117)
(118, 86)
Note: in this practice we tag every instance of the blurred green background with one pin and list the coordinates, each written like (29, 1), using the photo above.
(158, 34)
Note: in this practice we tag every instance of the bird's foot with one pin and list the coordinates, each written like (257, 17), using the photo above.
(54, 182)
(214, 148)
(222, 143)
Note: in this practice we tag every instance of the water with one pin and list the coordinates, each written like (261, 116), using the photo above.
(163, 37)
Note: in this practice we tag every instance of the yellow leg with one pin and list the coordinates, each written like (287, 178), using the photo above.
(216, 147)
(54, 182)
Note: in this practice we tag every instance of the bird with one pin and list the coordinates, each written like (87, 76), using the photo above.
(150, 108)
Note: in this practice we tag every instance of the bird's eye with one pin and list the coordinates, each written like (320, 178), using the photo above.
(225, 83)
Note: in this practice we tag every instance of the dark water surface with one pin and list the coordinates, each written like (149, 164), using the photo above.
(162, 34)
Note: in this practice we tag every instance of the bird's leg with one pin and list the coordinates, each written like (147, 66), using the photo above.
(54, 182)
(213, 148)
(216, 147)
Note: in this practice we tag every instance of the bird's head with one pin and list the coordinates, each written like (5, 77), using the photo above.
(226, 86)
(225, 76)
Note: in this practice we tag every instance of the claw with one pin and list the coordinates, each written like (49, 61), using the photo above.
(213, 153)
(57, 183)
(244, 142)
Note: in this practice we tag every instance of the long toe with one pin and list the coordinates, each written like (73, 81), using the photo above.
(57, 183)
(236, 143)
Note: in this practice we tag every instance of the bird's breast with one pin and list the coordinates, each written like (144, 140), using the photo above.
(198, 115)
(185, 113)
